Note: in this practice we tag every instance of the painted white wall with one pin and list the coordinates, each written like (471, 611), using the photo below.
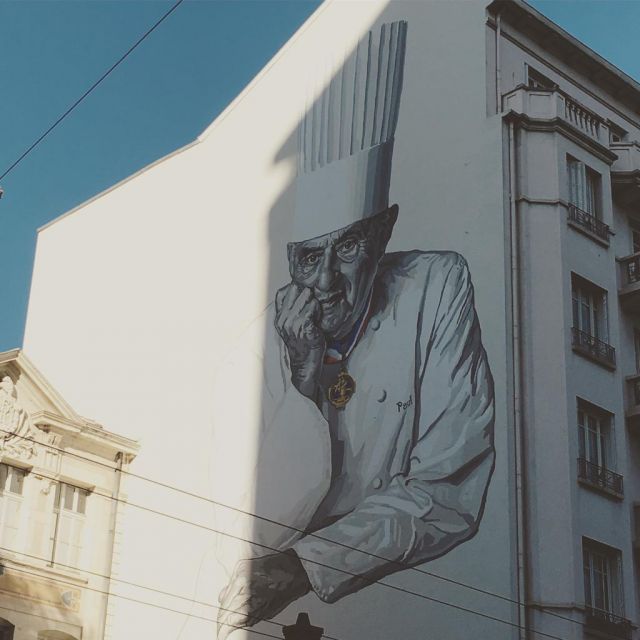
(139, 295)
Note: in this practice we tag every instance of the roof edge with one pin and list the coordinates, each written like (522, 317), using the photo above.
(267, 67)
(617, 75)
(118, 184)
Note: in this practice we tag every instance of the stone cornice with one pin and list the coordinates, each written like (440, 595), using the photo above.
(556, 40)
(49, 413)
(559, 125)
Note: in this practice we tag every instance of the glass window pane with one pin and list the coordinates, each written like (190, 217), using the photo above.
(585, 321)
(3, 476)
(82, 501)
(68, 497)
(16, 480)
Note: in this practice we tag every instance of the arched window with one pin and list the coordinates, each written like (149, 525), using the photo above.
(6, 630)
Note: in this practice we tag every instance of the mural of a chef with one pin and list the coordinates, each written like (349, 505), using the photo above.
(380, 363)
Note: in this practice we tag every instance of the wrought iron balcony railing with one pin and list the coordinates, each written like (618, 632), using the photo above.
(600, 476)
(593, 347)
(589, 222)
(608, 623)
(631, 269)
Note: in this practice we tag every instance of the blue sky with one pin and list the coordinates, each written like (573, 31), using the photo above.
(160, 98)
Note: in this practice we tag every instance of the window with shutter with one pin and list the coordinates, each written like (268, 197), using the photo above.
(11, 490)
(584, 187)
(70, 505)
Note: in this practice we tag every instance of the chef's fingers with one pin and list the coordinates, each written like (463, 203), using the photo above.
(238, 615)
(287, 300)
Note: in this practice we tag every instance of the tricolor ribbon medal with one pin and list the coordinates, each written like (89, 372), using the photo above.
(342, 390)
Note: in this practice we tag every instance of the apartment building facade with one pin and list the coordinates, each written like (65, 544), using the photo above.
(515, 149)
(61, 487)
(572, 127)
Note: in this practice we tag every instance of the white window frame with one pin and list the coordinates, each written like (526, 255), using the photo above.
(584, 185)
(11, 500)
(69, 523)
(589, 308)
(595, 435)
(602, 571)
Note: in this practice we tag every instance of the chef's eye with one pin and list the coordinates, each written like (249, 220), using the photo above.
(347, 248)
(310, 259)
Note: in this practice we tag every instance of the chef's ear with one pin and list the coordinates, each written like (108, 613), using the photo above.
(387, 220)
(291, 252)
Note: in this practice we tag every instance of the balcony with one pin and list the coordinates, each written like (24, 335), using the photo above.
(591, 347)
(588, 224)
(600, 478)
(607, 625)
(553, 106)
(625, 173)
(629, 282)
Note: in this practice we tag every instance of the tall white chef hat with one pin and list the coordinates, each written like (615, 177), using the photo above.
(346, 137)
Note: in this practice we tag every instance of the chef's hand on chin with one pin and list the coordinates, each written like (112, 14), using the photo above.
(259, 589)
(297, 313)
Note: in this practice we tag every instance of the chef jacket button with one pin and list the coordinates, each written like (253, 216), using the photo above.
(377, 483)
(374, 324)
(383, 396)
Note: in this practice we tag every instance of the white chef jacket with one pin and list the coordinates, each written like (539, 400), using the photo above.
(399, 475)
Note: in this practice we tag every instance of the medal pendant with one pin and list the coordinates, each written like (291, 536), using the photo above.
(342, 390)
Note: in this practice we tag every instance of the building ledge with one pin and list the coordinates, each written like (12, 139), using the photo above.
(554, 110)
(10, 560)
(588, 225)
(593, 349)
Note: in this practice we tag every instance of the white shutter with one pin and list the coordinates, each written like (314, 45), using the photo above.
(69, 542)
(10, 515)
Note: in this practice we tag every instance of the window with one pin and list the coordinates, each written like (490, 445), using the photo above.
(11, 489)
(635, 235)
(590, 326)
(584, 187)
(537, 80)
(602, 578)
(589, 307)
(6, 630)
(70, 508)
(594, 434)
(596, 451)
(616, 133)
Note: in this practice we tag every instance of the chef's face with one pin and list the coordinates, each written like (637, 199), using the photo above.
(340, 268)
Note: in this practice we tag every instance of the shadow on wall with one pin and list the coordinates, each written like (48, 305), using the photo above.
(376, 426)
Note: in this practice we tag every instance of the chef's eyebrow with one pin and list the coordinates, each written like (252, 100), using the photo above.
(356, 230)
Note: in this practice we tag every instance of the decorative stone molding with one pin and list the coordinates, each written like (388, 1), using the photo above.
(18, 435)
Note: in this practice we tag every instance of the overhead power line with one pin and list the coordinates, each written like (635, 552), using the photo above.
(120, 60)
(400, 565)
(368, 581)
(150, 604)
(137, 586)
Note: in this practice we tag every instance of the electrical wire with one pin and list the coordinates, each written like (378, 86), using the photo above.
(367, 581)
(144, 602)
(400, 565)
(133, 584)
(92, 87)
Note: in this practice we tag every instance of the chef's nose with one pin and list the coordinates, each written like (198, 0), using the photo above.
(328, 272)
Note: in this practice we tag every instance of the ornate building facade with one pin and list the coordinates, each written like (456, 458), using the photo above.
(61, 496)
